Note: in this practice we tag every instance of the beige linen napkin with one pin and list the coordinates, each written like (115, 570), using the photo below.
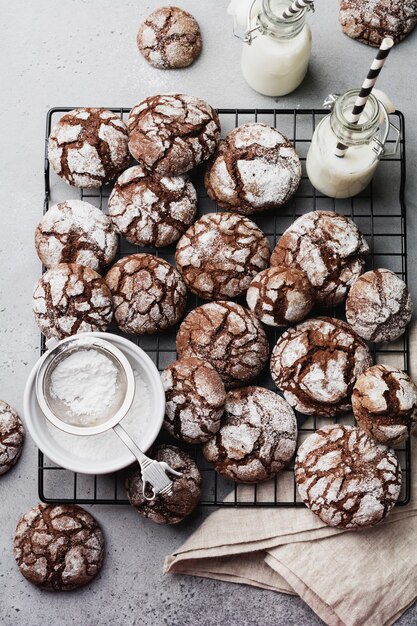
(363, 578)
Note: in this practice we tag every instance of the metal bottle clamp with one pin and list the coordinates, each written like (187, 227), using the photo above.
(379, 147)
(247, 36)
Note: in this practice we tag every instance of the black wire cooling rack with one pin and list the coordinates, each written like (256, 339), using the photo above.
(380, 214)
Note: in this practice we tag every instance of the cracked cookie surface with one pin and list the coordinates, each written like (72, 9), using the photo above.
(12, 437)
(149, 295)
(384, 402)
(195, 397)
(88, 147)
(186, 488)
(257, 437)
(370, 21)
(227, 336)
(172, 133)
(70, 299)
(254, 169)
(316, 364)
(329, 248)
(280, 296)
(76, 232)
(379, 306)
(346, 478)
(169, 38)
(220, 254)
(152, 211)
(58, 548)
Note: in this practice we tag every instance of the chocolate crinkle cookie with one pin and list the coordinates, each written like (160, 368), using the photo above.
(255, 168)
(152, 211)
(379, 306)
(220, 254)
(195, 397)
(70, 299)
(280, 296)
(227, 336)
(170, 134)
(169, 38)
(257, 437)
(149, 295)
(12, 436)
(329, 248)
(76, 232)
(316, 364)
(89, 147)
(168, 509)
(58, 548)
(370, 21)
(346, 478)
(384, 403)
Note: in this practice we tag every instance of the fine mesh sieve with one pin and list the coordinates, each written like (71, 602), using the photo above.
(154, 473)
(59, 413)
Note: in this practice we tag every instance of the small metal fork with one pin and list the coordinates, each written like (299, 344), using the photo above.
(154, 473)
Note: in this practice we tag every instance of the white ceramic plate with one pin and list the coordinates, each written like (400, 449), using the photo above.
(108, 454)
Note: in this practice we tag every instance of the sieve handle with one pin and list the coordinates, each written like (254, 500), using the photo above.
(154, 473)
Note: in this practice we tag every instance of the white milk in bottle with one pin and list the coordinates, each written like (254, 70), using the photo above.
(239, 9)
(347, 176)
(277, 51)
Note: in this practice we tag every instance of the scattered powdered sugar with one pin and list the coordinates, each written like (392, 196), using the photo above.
(83, 114)
(85, 160)
(57, 282)
(116, 141)
(326, 382)
(261, 134)
(85, 382)
(149, 38)
(67, 134)
(264, 182)
(221, 173)
(372, 388)
(108, 445)
(239, 439)
(297, 304)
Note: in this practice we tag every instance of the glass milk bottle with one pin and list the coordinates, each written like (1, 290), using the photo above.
(276, 51)
(347, 176)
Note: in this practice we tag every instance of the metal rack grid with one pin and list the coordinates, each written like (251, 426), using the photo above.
(379, 212)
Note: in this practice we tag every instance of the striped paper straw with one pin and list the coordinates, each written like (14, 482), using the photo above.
(368, 85)
(296, 7)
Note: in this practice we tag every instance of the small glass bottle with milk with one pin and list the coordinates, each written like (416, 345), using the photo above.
(347, 176)
(276, 51)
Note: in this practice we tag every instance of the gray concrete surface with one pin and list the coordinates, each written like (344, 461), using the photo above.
(81, 52)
